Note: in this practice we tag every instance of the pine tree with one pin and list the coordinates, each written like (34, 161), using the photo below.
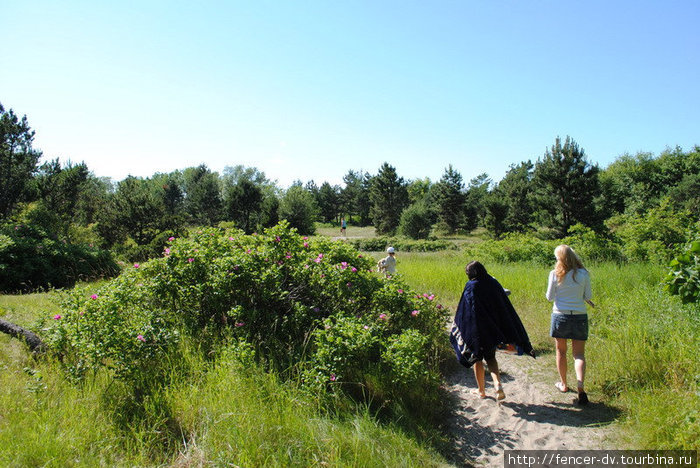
(566, 187)
(389, 197)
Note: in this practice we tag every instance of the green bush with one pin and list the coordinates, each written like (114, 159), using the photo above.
(379, 244)
(416, 221)
(295, 301)
(654, 235)
(514, 248)
(683, 278)
(30, 260)
(592, 246)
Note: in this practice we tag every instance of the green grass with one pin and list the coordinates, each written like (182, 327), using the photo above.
(214, 414)
(642, 352)
(642, 357)
(350, 232)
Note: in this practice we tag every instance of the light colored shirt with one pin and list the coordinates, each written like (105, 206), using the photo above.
(569, 296)
(389, 264)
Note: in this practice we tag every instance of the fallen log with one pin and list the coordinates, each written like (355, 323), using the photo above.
(36, 345)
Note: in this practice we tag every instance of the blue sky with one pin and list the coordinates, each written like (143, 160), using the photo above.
(311, 89)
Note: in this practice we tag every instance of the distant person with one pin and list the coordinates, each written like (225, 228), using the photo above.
(343, 226)
(387, 264)
(569, 289)
(486, 320)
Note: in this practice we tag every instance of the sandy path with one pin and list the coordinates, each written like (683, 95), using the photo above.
(534, 414)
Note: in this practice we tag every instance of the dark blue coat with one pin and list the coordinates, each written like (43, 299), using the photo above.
(485, 320)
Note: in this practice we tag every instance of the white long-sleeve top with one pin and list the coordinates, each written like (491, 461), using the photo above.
(569, 296)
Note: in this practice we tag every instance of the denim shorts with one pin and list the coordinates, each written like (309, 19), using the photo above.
(574, 327)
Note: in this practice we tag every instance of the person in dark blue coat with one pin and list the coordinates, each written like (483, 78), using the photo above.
(486, 320)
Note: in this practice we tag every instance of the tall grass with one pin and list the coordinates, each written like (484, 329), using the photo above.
(228, 412)
(642, 352)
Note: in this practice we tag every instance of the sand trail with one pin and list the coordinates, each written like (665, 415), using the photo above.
(534, 415)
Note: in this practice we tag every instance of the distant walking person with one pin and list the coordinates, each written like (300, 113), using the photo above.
(388, 264)
(486, 320)
(570, 289)
(343, 226)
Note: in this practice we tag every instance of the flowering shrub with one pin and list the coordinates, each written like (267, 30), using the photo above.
(295, 301)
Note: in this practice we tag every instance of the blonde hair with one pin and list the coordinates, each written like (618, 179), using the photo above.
(567, 260)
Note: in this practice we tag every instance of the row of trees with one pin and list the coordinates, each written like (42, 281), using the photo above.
(561, 189)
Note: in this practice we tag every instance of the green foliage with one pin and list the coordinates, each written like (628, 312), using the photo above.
(683, 278)
(203, 203)
(273, 291)
(567, 185)
(30, 260)
(389, 196)
(593, 246)
(514, 247)
(18, 161)
(416, 221)
(329, 202)
(449, 198)
(654, 235)
(379, 244)
(299, 209)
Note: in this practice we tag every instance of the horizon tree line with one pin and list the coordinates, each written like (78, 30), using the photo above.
(560, 189)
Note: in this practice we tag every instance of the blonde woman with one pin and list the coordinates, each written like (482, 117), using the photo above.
(569, 289)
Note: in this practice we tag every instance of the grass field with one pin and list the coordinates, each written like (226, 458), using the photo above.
(642, 357)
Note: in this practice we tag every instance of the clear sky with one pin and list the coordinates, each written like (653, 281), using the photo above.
(311, 89)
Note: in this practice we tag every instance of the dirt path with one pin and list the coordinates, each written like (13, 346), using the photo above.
(534, 414)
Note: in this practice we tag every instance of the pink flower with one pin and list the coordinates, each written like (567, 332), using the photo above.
(190, 259)
(400, 291)
(306, 266)
(305, 238)
(171, 239)
(366, 327)
(230, 238)
(415, 313)
(166, 252)
(319, 258)
(327, 327)
(57, 317)
(141, 338)
(239, 324)
(359, 255)
(439, 306)
(94, 296)
(277, 238)
(349, 284)
(306, 245)
(333, 377)
(136, 265)
(248, 251)
(431, 297)
(354, 270)
(343, 265)
(382, 316)
(289, 255)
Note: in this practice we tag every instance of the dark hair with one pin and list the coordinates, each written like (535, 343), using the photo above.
(476, 270)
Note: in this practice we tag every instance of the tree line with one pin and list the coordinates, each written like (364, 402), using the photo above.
(560, 189)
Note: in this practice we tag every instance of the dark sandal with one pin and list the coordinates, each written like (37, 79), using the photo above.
(582, 399)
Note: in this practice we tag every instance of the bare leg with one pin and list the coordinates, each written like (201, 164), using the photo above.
(578, 350)
(561, 361)
(480, 380)
(496, 376)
